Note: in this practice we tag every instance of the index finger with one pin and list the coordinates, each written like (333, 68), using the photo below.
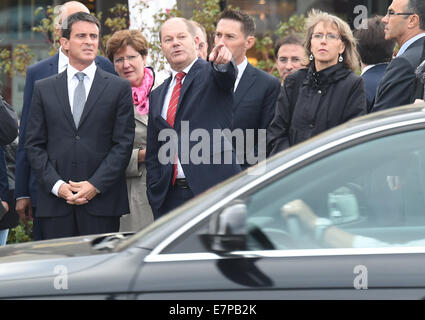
(217, 48)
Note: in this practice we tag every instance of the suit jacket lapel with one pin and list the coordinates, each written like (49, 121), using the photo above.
(157, 108)
(99, 84)
(188, 82)
(247, 80)
(61, 88)
(54, 64)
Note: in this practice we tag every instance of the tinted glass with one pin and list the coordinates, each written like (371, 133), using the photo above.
(374, 192)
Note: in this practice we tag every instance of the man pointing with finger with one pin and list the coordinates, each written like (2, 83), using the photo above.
(198, 95)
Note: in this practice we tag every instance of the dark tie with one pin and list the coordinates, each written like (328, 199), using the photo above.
(79, 98)
(171, 112)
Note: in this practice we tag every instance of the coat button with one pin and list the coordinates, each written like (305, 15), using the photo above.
(320, 91)
(311, 125)
(77, 137)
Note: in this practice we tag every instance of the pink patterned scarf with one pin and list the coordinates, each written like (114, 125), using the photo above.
(141, 94)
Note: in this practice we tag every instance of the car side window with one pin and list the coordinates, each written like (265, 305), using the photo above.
(373, 193)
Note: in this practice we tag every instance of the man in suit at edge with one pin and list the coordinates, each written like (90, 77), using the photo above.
(404, 22)
(26, 184)
(256, 91)
(79, 139)
(375, 54)
(201, 93)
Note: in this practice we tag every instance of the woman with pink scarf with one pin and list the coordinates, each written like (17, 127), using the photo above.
(128, 49)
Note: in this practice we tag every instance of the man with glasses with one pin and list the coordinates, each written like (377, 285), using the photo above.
(405, 23)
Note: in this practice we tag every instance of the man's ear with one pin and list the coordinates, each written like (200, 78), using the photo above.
(249, 43)
(197, 42)
(414, 21)
(64, 43)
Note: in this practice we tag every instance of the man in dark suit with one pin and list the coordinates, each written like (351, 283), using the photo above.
(79, 139)
(375, 54)
(404, 22)
(26, 184)
(256, 91)
(198, 95)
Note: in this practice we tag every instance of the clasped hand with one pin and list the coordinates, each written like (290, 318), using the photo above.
(77, 192)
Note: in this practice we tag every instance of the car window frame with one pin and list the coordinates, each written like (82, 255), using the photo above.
(286, 168)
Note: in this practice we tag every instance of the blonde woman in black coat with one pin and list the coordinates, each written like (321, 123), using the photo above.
(325, 94)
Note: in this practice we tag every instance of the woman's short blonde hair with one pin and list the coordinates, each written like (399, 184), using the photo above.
(123, 38)
(350, 55)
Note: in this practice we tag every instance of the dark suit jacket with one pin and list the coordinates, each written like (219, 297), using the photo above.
(372, 79)
(397, 86)
(205, 101)
(26, 184)
(254, 104)
(8, 123)
(98, 151)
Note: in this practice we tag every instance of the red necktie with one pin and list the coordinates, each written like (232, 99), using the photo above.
(171, 112)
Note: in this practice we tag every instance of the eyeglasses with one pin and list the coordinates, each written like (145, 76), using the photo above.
(391, 13)
(129, 59)
(329, 36)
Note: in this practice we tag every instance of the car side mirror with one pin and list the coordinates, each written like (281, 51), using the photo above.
(227, 230)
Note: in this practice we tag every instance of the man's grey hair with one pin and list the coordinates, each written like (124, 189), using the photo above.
(190, 26)
(418, 7)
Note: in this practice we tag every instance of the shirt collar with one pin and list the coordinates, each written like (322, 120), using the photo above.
(185, 70)
(63, 61)
(242, 67)
(89, 71)
(409, 42)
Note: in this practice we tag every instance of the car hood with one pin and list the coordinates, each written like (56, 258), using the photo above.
(29, 269)
(52, 249)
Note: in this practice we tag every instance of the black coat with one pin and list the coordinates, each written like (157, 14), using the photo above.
(8, 123)
(311, 102)
(11, 219)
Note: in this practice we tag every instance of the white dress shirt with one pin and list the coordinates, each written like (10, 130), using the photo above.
(72, 80)
(180, 173)
(63, 61)
(241, 69)
(89, 72)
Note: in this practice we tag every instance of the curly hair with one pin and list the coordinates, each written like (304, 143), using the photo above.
(122, 38)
